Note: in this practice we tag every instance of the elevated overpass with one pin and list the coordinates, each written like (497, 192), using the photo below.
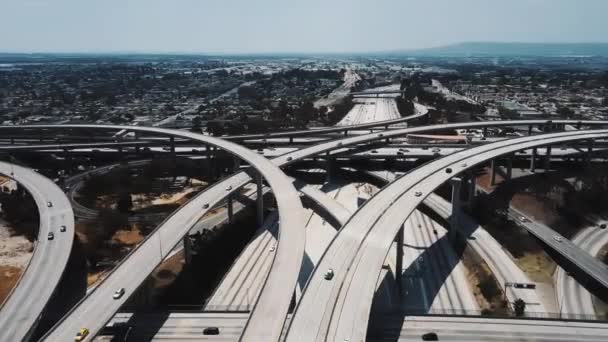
(21, 310)
(339, 309)
(240, 179)
(98, 307)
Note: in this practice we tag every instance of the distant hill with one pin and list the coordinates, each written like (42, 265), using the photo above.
(514, 49)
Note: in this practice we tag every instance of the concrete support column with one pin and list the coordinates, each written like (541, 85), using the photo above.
(456, 183)
(399, 263)
(589, 151)
(187, 249)
(260, 200)
(230, 206)
(136, 135)
(485, 131)
(236, 164)
(530, 130)
(172, 145)
(345, 133)
(509, 167)
(328, 166)
(471, 190)
(548, 159)
(533, 160)
(493, 170)
(291, 140)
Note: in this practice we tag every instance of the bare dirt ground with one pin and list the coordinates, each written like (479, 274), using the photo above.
(166, 273)
(484, 179)
(476, 270)
(9, 276)
(122, 241)
(147, 201)
(526, 253)
(15, 253)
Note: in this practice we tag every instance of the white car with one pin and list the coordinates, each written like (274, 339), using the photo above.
(51, 236)
(62, 229)
(118, 293)
(558, 238)
(418, 193)
(523, 219)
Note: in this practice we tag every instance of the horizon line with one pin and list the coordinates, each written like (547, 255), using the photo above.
(292, 53)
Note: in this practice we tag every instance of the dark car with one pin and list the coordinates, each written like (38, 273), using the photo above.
(211, 331)
(430, 337)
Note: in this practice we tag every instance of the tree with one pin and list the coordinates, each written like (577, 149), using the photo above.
(196, 124)
(306, 113)
(247, 92)
(216, 128)
(565, 112)
(111, 221)
(508, 113)
(519, 306)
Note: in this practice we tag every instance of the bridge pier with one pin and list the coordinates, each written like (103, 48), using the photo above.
(345, 133)
(230, 207)
(187, 249)
(236, 164)
(136, 135)
(548, 159)
(530, 130)
(399, 263)
(471, 190)
(456, 184)
(260, 199)
(485, 131)
(493, 170)
(291, 140)
(329, 161)
(533, 160)
(589, 152)
(509, 167)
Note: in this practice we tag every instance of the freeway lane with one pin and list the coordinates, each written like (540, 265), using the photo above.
(501, 264)
(20, 312)
(270, 310)
(339, 309)
(188, 327)
(473, 329)
(572, 296)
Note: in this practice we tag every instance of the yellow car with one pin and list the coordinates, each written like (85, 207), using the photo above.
(81, 334)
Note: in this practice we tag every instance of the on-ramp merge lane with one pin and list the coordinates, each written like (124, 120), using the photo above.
(339, 309)
(20, 312)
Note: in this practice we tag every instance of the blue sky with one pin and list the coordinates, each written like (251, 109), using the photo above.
(259, 26)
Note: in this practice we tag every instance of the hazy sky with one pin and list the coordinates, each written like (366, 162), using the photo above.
(245, 26)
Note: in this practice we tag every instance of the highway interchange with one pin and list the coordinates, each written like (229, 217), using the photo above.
(338, 309)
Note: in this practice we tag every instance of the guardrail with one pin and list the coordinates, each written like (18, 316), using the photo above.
(491, 314)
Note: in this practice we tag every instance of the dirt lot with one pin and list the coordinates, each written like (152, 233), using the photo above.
(9, 276)
(15, 253)
(476, 271)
